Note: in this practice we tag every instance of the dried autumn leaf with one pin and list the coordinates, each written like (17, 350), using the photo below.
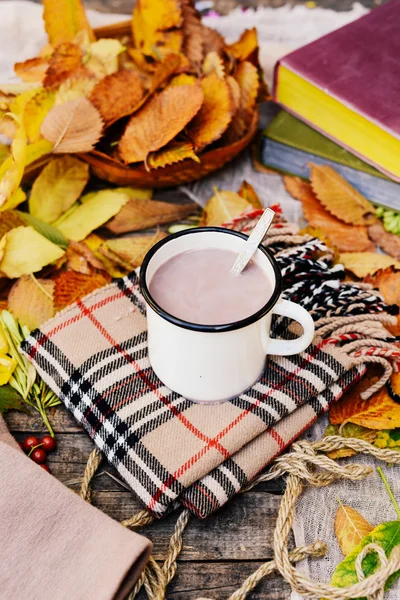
(223, 207)
(75, 126)
(143, 214)
(215, 113)
(117, 95)
(387, 281)
(151, 18)
(212, 40)
(235, 91)
(246, 45)
(388, 242)
(31, 301)
(350, 528)
(164, 70)
(35, 111)
(71, 287)
(344, 237)
(94, 243)
(9, 220)
(183, 79)
(58, 187)
(172, 153)
(12, 169)
(248, 80)
(213, 62)
(159, 121)
(366, 263)
(62, 64)
(340, 198)
(33, 69)
(193, 38)
(91, 214)
(249, 193)
(103, 57)
(132, 250)
(25, 251)
(80, 84)
(64, 19)
(81, 259)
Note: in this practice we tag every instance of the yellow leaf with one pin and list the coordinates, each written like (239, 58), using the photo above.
(15, 89)
(57, 188)
(37, 150)
(159, 121)
(35, 111)
(223, 207)
(31, 301)
(64, 19)
(3, 342)
(18, 104)
(75, 126)
(12, 170)
(172, 153)
(350, 528)
(246, 45)
(339, 197)
(75, 87)
(93, 213)
(132, 250)
(249, 193)
(151, 18)
(215, 113)
(26, 251)
(213, 62)
(366, 263)
(94, 242)
(183, 79)
(17, 198)
(4, 152)
(103, 57)
(7, 366)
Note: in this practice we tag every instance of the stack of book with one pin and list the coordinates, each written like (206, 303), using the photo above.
(340, 96)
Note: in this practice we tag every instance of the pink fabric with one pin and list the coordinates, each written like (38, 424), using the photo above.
(55, 545)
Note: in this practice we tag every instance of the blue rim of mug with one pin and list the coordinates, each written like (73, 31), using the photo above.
(197, 326)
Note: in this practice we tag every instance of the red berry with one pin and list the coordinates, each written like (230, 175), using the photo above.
(30, 442)
(45, 467)
(39, 456)
(49, 443)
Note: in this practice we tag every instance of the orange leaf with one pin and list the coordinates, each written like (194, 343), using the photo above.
(249, 193)
(246, 45)
(193, 42)
(350, 528)
(340, 198)
(65, 60)
(33, 69)
(159, 121)
(344, 237)
(388, 242)
(215, 114)
(172, 153)
(143, 214)
(387, 281)
(117, 95)
(71, 286)
(64, 19)
(235, 91)
(248, 80)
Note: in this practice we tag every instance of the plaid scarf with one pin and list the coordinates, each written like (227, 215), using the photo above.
(168, 449)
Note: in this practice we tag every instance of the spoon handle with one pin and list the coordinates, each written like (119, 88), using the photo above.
(256, 237)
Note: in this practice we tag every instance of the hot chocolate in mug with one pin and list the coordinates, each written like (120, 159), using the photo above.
(214, 362)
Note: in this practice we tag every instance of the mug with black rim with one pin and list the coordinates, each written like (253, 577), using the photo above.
(215, 363)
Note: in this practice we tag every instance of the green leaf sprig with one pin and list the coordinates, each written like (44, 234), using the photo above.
(390, 218)
(25, 379)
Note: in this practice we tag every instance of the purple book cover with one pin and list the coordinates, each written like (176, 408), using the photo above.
(359, 64)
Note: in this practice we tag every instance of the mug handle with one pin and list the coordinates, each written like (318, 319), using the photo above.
(285, 308)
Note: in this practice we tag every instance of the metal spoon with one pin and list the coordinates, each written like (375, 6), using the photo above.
(256, 237)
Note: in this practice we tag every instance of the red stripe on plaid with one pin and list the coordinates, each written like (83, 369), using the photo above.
(275, 435)
(210, 442)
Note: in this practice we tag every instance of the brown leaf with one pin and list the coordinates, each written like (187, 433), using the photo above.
(172, 153)
(213, 62)
(31, 301)
(64, 19)
(71, 286)
(9, 220)
(388, 242)
(75, 126)
(193, 42)
(366, 263)
(159, 121)
(378, 412)
(235, 91)
(150, 19)
(223, 207)
(248, 80)
(142, 214)
(215, 114)
(246, 45)
(65, 60)
(387, 281)
(132, 250)
(33, 69)
(249, 193)
(350, 528)
(344, 237)
(117, 95)
(340, 198)
(212, 41)
(81, 259)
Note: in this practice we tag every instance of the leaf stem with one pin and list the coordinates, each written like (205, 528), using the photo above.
(41, 287)
(389, 491)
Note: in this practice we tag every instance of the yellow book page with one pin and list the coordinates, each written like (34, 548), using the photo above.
(337, 120)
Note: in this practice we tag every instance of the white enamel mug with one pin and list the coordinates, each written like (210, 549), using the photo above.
(214, 363)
